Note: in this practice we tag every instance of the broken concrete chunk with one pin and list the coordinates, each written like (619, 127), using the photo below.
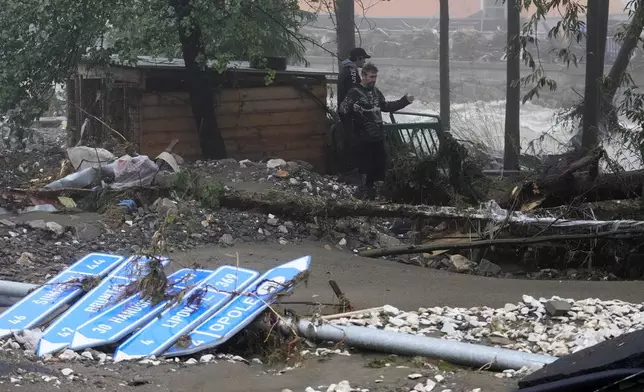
(488, 268)
(227, 240)
(460, 263)
(7, 222)
(557, 308)
(25, 259)
(37, 224)
(165, 206)
(56, 228)
(275, 163)
(387, 241)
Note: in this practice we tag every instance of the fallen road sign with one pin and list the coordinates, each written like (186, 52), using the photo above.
(60, 333)
(118, 321)
(163, 331)
(49, 298)
(239, 312)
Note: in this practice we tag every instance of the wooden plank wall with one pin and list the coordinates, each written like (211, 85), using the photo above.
(256, 123)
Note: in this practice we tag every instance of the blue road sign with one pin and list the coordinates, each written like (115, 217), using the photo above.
(239, 312)
(49, 298)
(60, 333)
(118, 321)
(162, 332)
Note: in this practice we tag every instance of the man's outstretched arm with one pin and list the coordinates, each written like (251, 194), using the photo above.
(392, 106)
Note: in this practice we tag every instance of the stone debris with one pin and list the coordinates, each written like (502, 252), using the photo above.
(525, 326)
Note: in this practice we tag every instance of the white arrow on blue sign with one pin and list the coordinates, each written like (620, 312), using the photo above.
(121, 319)
(60, 333)
(49, 298)
(239, 312)
(155, 337)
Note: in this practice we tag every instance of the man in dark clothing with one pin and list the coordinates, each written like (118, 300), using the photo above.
(365, 104)
(348, 78)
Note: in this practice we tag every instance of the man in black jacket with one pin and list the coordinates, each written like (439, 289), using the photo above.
(348, 78)
(365, 104)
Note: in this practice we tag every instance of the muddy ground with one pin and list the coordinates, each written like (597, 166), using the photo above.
(368, 283)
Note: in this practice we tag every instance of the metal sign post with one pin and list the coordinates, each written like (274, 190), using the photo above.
(238, 313)
(48, 299)
(60, 333)
(165, 330)
(126, 316)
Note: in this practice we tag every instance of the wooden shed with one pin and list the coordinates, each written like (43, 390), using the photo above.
(148, 103)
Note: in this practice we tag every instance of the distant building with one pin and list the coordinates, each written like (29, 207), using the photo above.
(491, 9)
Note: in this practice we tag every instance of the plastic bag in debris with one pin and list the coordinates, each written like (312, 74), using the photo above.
(133, 172)
(80, 179)
(83, 157)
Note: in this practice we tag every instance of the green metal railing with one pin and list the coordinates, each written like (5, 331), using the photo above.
(423, 138)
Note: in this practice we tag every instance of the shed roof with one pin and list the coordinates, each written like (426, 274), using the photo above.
(149, 62)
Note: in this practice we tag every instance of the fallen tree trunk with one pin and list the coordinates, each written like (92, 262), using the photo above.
(567, 184)
(582, 188)
(412, 249)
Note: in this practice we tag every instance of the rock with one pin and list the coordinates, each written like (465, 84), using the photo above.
(460, 263)
(387, 241)
(275, 163)
(26, 259)
(488, 268)
(343, 242)
(68, 355)
(390, 310)
(448, 328)
(6, 222)
(273, 221)
(430, 385)
(343, 386)
(227, 240)
(245, 163)
(164, 206)
(227, 161)
(414, 376)
(67, 372)
(37, 224)
(439, 378)
(86, 232)
(419, 387)
(206, 358)
(191, 361)
(282, 229)
(557, 308)
(56, 228)
(87, 355)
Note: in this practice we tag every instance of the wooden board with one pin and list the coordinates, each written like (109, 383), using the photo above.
(232, 108)
(236, 95)
(179, 124)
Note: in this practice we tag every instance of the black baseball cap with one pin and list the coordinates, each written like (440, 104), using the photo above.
(358, 52)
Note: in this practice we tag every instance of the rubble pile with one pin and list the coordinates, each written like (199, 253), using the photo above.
(296, 176)
(556, 327)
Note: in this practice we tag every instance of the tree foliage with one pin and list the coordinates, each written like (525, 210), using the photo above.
(41, 41)
(571, 30)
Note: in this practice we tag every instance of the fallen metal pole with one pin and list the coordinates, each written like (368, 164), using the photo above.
(15, 289)
(412, 345)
